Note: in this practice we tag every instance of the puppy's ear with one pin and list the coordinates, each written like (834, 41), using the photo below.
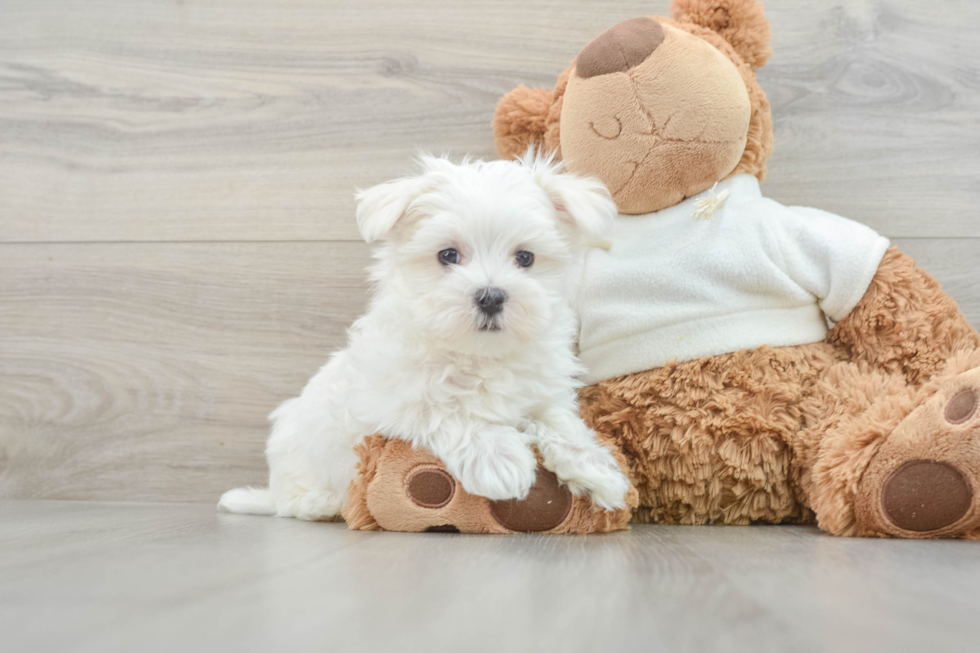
(380, 207)
(583, 204)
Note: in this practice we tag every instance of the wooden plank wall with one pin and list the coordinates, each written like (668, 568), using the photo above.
(177, 246)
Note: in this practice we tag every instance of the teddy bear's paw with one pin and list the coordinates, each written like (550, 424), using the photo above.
(401, 488)
(922, 481)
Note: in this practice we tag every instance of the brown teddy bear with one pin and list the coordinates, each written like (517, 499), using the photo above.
(714, 374)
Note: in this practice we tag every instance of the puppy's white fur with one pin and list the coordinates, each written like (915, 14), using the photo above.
(425, 365)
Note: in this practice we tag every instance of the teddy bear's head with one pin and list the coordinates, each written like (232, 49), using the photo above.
(657, 108)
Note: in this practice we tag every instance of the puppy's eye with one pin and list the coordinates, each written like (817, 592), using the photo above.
(524, 259)
(449, 257)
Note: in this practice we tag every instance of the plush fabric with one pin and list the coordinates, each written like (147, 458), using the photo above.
(905, 324)
(381, 498)
(710, 440)
(637, 131)
(740, 23)
(684, 163)
(673, 287)
(787, 434)
(620, 48)
(522, 120)
(873, 431)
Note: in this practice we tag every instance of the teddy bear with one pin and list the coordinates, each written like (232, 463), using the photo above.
(747, 362)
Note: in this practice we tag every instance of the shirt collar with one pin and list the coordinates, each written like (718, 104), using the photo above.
(740, 188)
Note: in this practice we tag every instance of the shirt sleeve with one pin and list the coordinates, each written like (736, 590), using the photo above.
(831, 257)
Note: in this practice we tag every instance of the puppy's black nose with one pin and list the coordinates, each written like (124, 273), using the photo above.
(490, 300)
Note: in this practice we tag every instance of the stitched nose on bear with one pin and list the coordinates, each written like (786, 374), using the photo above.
(620, 47)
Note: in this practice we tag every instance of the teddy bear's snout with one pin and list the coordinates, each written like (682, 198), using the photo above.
(620, 48)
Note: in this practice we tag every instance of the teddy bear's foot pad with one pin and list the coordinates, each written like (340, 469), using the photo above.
(920, 482)
(926, 495)
(546, 507)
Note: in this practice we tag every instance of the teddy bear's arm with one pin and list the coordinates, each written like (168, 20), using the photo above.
(904, 323)
(520, 120)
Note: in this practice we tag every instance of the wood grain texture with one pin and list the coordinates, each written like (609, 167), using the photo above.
(875, 105)
(146, 371)
(152, 120)
(177, 248)
(123, 577)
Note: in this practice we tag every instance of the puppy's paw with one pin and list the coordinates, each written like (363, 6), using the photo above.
(590, 470)
(312, 505)
(496, 464)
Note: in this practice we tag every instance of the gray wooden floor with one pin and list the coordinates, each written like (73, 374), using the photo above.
(104, 577)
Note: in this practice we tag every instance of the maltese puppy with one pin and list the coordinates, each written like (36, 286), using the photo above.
(467, 347)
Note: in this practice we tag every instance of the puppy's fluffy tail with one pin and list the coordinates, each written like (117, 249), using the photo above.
(248, 500)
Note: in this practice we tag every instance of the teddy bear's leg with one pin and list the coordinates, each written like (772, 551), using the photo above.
(401, 488)
(889, 459)
(710, 440)
(905, 323)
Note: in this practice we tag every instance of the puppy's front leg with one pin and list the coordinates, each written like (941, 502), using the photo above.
(571, 450)
(491, 461)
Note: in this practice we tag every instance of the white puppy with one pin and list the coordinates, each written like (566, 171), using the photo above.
(467, 347)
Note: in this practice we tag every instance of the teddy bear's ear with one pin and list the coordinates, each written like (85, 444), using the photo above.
(583, 204)
(520, 120)
(740, 22)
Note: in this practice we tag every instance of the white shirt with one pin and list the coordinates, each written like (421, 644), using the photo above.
(676, 288)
